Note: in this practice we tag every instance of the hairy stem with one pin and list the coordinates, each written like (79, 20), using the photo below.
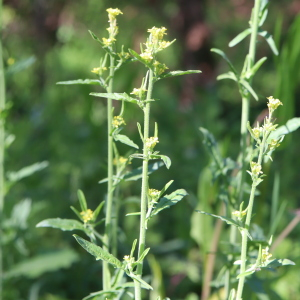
(142, 237)
(109, 200)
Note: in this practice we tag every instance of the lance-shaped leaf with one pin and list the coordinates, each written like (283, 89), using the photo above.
(269, 40)
(144, 284)
(125, 140)
(275, 263)
(26, 171)
(221, 53)
(98, 252)
(255, 68)
(228, 75)
(290, 126)
(168, 200)
(80, 81)
(229, 221)
(166, 160)
(178, 73)
(263, 12)
(116, 96)
(82, 200)
(248, 87)
(240, 37)
(62, 224)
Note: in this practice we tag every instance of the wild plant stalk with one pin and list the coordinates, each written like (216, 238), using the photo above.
(142, 236)
(260, 135)
(243, 130)
(2, 137)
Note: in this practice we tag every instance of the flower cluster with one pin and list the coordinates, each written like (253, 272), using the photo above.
(99, 70)
(151, 142)
(139, 92)
(113, 28)
(239, 214)
(265, 255)
(153, 195)
(129, 261)
(120, 161)
(118, 121)
(87, 215)
(154, 44)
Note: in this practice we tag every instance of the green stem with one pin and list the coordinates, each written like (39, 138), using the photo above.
(2, 136)
(247, 225)
(142, 238)
(109, 201)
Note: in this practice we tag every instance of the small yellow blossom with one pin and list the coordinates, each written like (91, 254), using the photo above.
(108, 42)
(159, 67)
(99, 70)
(151, 142)
(121, 160)
(147, 56)
(273, 103)
(10, 61)
(255, 168)
(158, 33)
(257, 132)
(87, 215)
(265, 255)
(239, 214)
(153, 194)
(274, 144)
(118, 121)
(269, 126)
(138, 92)
(113, 12)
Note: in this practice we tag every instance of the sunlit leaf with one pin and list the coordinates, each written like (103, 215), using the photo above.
(169, 200)
(62, 224)
(290, 126)
(221, 53)
(229, 221)
(116, 96)
(247, 86)
(98, 252)
(269, 40)
(178, 73)
(125, 140)
(80, 81)
(240, 37)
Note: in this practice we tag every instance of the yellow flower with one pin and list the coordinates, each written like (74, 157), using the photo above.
(239, 214)
(153, 194)
(255, 168)
(147, 56)
(265, 255)
(99, 70)
(257, 132)
(273, 103)
(138, 92)
(158, 33)
(151, 142)
(10, 61)
(121, 160)
(113, 12)
(108, 42)
(159, 68)
(87, 215)
(118, 121)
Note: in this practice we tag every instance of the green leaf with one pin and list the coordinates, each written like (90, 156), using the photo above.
(166, 160)
(62, 224)
(143, 255)
(36, 266)
(221, 53)
(97, 210)
(133, 214)
(228, 75)
(26, 171)
(178, 73)
(165, 188)
(116, 96)
(137, 173)
(229, 221)
(275, 263)
(82, 200)
(98, 252)
(269, 40)
(144, 284)
(240, 37)
(263, 13)
(125, 140)
(290, 126)
(257, 65)
(247, 86)
(80, 81)
(169, 200)
(107, 49)
(247, 273)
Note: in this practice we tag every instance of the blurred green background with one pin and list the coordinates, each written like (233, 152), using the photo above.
(47, 41)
